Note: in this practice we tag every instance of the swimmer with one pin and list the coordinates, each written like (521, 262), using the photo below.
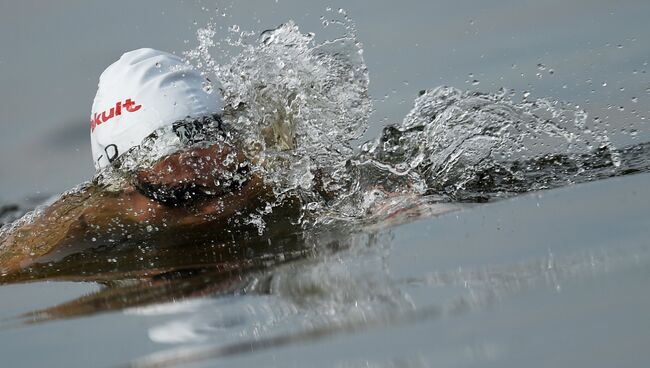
(186, 196)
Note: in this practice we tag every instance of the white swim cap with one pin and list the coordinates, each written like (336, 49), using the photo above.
(144, 90)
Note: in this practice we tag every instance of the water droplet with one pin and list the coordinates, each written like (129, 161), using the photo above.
(541, 66)
(207, 87)
(475, 82)
(619, 46)
(635, 100)
(604, 84)
(158, 65)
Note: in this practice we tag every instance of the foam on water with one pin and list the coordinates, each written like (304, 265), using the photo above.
(451, 139)
(297, 104)
(294, 105)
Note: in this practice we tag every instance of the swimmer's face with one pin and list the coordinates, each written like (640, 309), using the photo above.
(196, 174)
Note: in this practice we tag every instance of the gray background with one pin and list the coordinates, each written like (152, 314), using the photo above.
(51, 54)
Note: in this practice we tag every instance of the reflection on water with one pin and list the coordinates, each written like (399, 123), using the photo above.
(489, 260)
(438, 283)
(135, 273)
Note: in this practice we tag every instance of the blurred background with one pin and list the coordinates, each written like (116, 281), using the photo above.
(593, 53)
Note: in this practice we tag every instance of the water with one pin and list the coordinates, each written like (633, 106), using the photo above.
(548, 277)
(401, 252)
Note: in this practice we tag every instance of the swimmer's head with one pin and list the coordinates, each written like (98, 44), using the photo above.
(145, 90)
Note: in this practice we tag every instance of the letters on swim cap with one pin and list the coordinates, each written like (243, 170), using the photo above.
(144, 90)
(105, 116)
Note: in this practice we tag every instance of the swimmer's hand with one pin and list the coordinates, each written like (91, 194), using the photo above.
(188, 176)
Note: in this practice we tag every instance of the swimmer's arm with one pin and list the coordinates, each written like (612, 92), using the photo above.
(78, 219)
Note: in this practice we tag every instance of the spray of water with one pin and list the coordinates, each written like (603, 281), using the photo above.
(293, 105)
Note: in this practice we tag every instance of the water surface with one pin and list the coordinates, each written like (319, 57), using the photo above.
(551, 278)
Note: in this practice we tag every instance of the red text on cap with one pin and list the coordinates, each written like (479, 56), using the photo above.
(105, 116)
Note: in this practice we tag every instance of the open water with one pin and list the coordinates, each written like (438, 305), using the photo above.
(496, 215)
